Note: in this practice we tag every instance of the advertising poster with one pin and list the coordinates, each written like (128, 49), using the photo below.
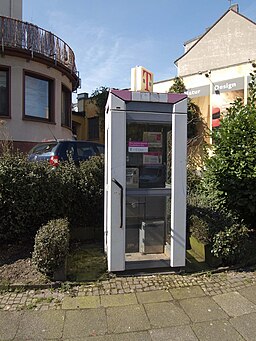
(137, 147)
(152, 158)
(225, 93)
(154, 139)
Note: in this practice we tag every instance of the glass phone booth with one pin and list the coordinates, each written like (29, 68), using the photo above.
(145, 180)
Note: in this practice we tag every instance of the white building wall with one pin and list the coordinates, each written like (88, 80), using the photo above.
(230, 41)
(11, 8)
(162, 87)
(216, 75)
(19, 129)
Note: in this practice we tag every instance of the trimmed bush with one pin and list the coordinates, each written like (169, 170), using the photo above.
(31, 194)
(231, 244)
(83, 190)
(226, 235)
(92, 181)
(205, 222)
(51, 246)
(26, 198)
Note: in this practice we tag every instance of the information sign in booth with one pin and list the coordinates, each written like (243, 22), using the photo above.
(145, 180)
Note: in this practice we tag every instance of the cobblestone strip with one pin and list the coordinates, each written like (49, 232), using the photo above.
(211, 284)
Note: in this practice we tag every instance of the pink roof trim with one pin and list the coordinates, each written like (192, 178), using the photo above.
(126, 95)
(175, 98)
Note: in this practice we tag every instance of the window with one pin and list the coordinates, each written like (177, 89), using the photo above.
(4, 92)
(93, 128)
(38, 97)
(65, 106)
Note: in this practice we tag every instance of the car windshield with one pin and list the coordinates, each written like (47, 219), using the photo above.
(44, 148)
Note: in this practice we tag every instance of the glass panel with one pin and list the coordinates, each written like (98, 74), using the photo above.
(4, 99)
(147, 215)
(65, 107)
(148, 161)
(148, 155)
(44, 148)
(36, 97)
(93, 128)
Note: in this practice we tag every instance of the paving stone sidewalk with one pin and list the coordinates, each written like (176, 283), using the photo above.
(185, 313)
(211, 284)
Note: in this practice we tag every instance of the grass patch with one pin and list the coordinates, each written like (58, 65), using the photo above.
(86, 263)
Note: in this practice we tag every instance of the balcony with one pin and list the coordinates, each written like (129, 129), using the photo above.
(33, 41)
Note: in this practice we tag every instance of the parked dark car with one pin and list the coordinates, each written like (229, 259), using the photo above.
(64, 150)
(153, 176)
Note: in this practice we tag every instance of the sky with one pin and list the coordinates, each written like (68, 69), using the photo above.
(111, 37)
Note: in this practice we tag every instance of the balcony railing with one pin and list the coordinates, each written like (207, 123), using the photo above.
(22, 35)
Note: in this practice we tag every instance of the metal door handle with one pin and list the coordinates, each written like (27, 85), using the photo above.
(121, 199)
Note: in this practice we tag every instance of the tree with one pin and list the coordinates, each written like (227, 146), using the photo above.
(100, 96)
(231, 171)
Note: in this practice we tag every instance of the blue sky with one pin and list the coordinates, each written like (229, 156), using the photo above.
(110, 37)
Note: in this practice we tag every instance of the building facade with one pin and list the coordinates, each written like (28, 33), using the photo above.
(11, 8)
(86, 123)
(37, 76)
(216, 66)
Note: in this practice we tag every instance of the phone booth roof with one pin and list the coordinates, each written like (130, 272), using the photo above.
(128, 96)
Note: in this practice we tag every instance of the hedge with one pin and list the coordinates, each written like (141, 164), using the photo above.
(31, 194)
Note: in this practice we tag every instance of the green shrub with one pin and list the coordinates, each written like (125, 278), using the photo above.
(92, 181)
(31, 194)
(231, 171)
(83, 189)
(51, 246)
(228, 237)
(231, 244)
(204, 222)
(26, 198)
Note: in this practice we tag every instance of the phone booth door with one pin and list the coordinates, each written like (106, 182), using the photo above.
(145, 200)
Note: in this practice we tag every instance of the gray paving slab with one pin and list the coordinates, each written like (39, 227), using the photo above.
(249, 293)
(83, 323)
(8, 319)
(118, 300)
(188, 292)
(203, 309)
(216, 330)
(36, 325)
(165, 314)
(81, 302)
(127, 319)
(154, 296)
(133, 336)
(245, 325)
(234, 304)
(181, 333)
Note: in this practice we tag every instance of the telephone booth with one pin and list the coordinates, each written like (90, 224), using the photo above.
(145, 180)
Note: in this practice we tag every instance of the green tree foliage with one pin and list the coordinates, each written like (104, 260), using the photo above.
(230, 175)
(100, 96)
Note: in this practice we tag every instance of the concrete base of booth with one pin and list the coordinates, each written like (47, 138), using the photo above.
(145, 261)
